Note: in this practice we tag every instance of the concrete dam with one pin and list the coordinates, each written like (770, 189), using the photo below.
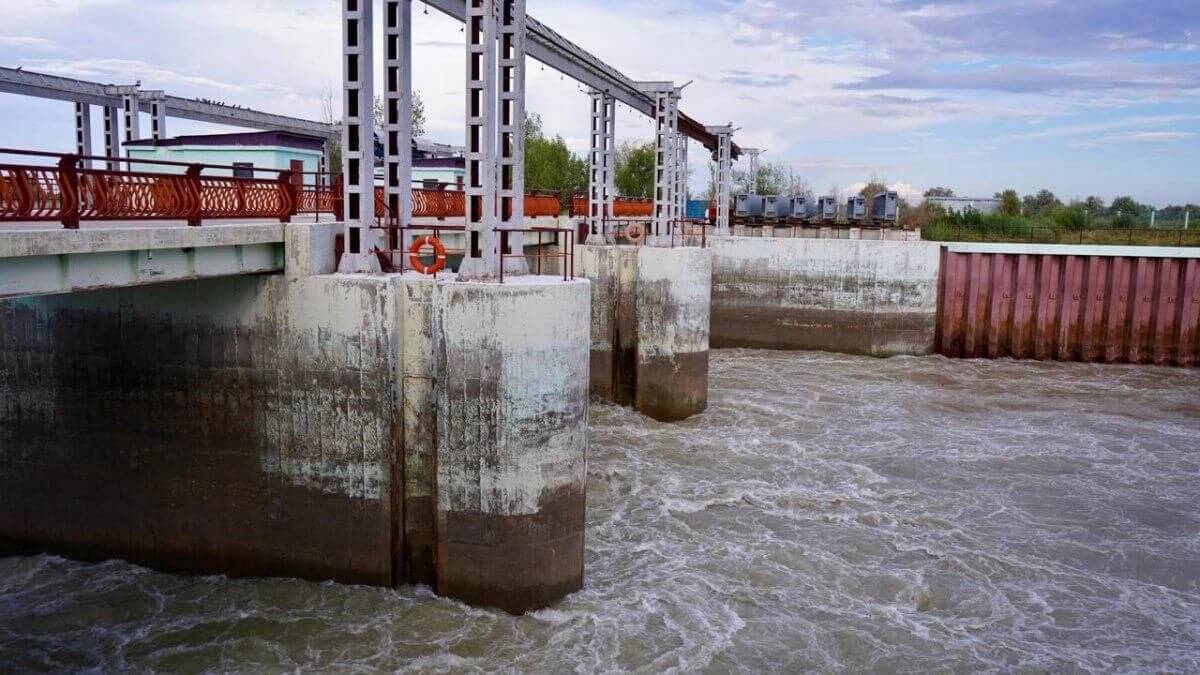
(275, 418)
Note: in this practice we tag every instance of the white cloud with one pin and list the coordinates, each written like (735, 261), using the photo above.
(25, 42)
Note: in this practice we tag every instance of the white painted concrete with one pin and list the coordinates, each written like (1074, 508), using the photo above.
(309, 248)
(843, 295)
(874, 267)
(512, 395)
(57, 241)
(673, 292)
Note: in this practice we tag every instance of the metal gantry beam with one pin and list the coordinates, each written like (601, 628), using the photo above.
(358, 138)
(397, 100)
(602, 166)
(549, 47)
(27, 83)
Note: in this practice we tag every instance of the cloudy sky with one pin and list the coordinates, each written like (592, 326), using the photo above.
(1080, 96)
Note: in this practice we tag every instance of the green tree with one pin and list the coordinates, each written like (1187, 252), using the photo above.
(1041, 204)
(634, 175)
(1010, 202)
(939, 192)
(1094, 206)
(418, 114)
(1127, 206)
(549, 165)
(774, 178)
(871, 188)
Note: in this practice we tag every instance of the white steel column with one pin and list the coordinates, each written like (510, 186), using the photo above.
(666, 116)
(112, 136)
(129, 109)
(83, 132)
(602, 162)
(358, 138)
(753, 154)
(479, 259)
(511, 107)
(681, 177)
(397, 68)
(724, 175)
(158, 117)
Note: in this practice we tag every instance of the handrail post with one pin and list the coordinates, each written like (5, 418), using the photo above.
(503, 248)
(24, 194)
(68, 190)
(192, 181)
(287, 196)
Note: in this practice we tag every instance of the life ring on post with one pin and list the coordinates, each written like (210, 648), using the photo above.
(439, 254)
(634, 232)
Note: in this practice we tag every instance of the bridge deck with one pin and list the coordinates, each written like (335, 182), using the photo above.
(42, 258)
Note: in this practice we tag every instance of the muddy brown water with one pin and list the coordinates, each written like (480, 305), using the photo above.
(827, 513)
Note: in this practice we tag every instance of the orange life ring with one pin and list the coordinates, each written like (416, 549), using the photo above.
(634, 232)
(439, 253)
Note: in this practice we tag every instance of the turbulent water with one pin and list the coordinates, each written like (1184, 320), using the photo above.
(826, 513)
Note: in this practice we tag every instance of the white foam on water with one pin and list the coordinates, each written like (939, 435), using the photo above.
(826, 513)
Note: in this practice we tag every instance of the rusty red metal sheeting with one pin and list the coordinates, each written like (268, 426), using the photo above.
(1113, 309)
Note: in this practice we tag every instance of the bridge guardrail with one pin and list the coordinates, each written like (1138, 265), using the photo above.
(70, 192)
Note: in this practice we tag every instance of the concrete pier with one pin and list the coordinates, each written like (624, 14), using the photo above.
(843, 295)
(239, 426)
(512, 434)
(650, 324)
(376, 429)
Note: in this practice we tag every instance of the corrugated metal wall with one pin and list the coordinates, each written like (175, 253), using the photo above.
(1116, 309)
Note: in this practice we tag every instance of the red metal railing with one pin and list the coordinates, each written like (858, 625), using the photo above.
(69, 193)
(623, 207)
(562, 236)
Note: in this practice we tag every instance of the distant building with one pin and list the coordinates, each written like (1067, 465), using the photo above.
(433, 164)
(244, 151)
(981, 205)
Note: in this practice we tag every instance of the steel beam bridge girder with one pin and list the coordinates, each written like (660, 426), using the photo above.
(548, 46)
(26, 83)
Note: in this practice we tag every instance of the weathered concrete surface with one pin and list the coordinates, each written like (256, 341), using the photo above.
(373, 429)
(43, 261)
(418, 376)
(650, 321)
(241, 426)
(309, 248)
(852, 296)
(512, 401)
(673, 309)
